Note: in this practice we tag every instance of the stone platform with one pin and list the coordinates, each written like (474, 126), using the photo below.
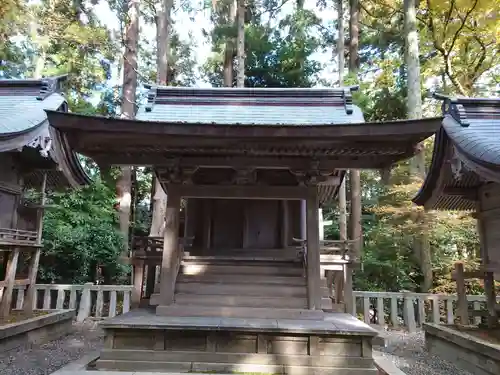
(143, 341)
(454, 344)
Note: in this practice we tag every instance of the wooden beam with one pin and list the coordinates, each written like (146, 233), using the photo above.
(233, 159)
(241, 192)
(17, 282)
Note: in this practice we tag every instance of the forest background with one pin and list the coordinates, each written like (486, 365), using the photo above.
(398, 52)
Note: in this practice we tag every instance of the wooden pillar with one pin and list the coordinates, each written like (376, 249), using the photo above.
(462, 305)
(313, 258)
(285, 224)
(355, 230)
(150, 279)
(246, 225)
(207, 223)
(303, 225)
(138, 278)
(489, 283)
(171, 248)
(10, 277)
(187, 220)
(35, 257)
(321, 224)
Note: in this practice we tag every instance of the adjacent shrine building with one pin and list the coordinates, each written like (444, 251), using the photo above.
(31, 160)
(465, 175)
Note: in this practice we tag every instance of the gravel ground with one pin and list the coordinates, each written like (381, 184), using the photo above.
(47, 358)
(407, 352)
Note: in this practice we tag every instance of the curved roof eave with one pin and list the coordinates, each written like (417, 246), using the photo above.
(67, 161)
(431, 182)
(21, 139)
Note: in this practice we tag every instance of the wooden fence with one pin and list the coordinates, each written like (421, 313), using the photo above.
(392, 310)
(90, 301)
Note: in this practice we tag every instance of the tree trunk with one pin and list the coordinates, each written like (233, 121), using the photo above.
(229, 48)
(356, 232)
(353, 36)
(240, 77)
(414, 99)
(163, 37)
(417, 164)
(123, 185)
(342, 188)
(340, 43)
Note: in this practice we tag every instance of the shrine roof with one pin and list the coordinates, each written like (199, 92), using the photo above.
(24, 127)
(250, 106)
(466, 154)
(23, 101)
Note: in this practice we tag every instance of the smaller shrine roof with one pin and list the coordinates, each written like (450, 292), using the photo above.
(466, 154)
(22, 104)
(250, 106)
(24, 126)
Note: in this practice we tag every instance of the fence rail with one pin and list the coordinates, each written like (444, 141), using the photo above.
(410, 310)
(393, 310)
(90, 301)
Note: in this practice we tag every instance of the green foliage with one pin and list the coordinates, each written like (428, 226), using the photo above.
(80, 233)
(275, 56)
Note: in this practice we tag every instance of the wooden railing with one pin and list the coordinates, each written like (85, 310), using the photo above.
(409, 311)
(391, 310)
(17, 237)
(90, 301)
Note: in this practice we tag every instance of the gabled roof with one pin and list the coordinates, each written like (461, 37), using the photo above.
(24, 127)
(466, 154)
(250, 106)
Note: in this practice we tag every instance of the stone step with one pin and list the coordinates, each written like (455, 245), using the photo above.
(191, 268)
(239, 260)
(291, 280)
(238, 312)
(241, 301)
(238, 289)
(228, 368)
(240, 358)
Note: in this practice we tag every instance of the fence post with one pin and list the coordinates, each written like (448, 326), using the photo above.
(85, 303)
(409, 312)
(462, 304)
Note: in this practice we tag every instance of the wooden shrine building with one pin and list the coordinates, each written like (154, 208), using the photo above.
(31, 162)
(234, 295)
(465, 175)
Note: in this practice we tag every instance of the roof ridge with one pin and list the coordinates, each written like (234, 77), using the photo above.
(50, 85)
(159, 94)
(462, 109)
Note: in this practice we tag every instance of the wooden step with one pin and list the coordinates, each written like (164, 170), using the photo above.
(240, 269)
(241, 301)
(231, 278)
(238, 289)
(238, 312)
